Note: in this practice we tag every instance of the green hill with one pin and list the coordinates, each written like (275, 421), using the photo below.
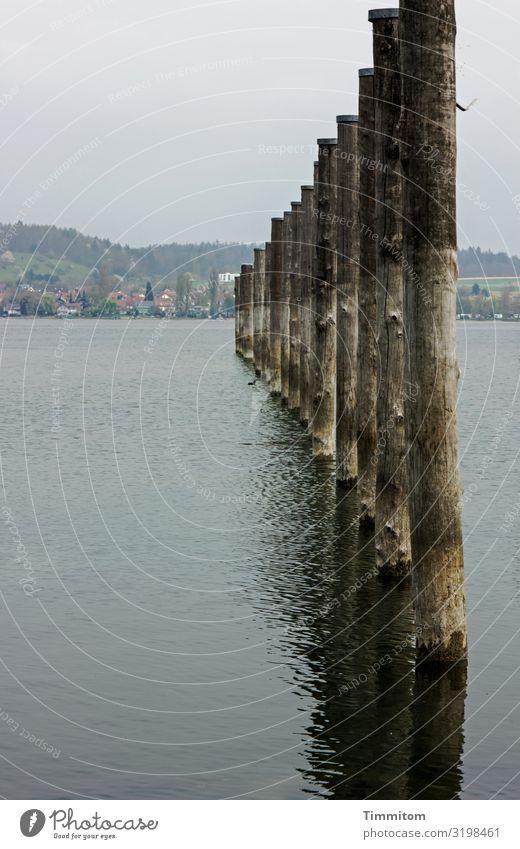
(42, 268)
(64, 257)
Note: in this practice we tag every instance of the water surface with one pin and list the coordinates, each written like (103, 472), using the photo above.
(201, 617)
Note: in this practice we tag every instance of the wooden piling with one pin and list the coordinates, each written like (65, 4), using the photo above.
(238, 318)
(275, 294)
(367, 353)
(324, 274)
(246, 307)
(393, 554)
(265, 352)
(430, 261)
(347, 208)
(285, 341)
(306, 252)
(313, 233)
(258, 307)
(294, 307)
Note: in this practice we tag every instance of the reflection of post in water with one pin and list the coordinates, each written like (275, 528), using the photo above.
(435, 770)
(379, 729)
(362, 675)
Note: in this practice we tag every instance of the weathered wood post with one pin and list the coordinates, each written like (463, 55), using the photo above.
(246, 290)
(238, 317)
(258, 297)
(266, 322)
(306, 317)
(295, 307)
(313, 287)
(285, 341)
(393, 553)
(324, 273)
(347, 299)
(429, 151)
(275, 287)
(367, 353)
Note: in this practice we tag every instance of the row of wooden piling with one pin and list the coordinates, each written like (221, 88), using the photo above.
(349, 314)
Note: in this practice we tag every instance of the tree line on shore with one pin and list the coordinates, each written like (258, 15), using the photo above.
(197, 258)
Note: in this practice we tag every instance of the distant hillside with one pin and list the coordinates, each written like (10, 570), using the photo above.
(69, 256)
(473, 262)
(64, 257)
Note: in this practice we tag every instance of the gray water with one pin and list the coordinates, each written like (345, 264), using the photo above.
(198, 615)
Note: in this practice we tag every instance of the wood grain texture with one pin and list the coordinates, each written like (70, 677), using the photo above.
(258, 298)
(430, 248)
(324, 274)
(392, 523)
(347, 201)
(367, 352)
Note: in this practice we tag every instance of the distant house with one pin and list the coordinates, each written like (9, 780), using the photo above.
(145, 308)
(226, 277)
(164, 300)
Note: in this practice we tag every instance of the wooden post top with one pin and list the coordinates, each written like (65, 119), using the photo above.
(347, 119)
(379, 14)
(366, 72)
(327, 142)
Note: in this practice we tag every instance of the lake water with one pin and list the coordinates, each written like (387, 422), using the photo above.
(198, 615)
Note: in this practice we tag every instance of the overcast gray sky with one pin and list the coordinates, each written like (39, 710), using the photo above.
(171, 120)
